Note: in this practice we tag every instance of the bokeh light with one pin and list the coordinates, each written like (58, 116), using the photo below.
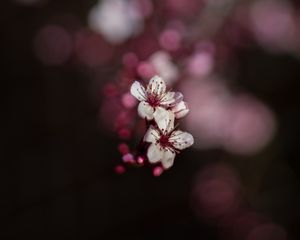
(216, 192)
(267, 232)
(239, 124)
(208, 100)
(164, 66)
(200, 64)
(273, 24)
(251, 126)
(170, 40)
(91, 49)
(116, 20)
(78, 164)
(53, 45)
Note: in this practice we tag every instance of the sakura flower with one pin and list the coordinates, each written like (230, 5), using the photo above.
(165, 140)
(154, 97)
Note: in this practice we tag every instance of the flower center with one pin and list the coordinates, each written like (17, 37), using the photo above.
(153, 100)
(164, 141)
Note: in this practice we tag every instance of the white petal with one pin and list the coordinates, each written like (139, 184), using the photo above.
(164, 119)
(181, 109)
(181, 140)
(156, 86)
(168, 99)
(178, 97)
(145, 110)
(168, 159)
(138, 91)
(152, 135)
(154, 153)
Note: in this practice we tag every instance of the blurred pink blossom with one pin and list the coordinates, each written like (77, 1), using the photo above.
(164, 66)
(184, 7)
(128, 100)
(145, 70)
(268, 231)
(157, 171)
(208, 116)
(273, 24)
(200, 64)
(216, 192)
(119, 169)
(251, 126)
(170, 40)
(116, 20)
(240, 124)
(91, 49)
(53, 45)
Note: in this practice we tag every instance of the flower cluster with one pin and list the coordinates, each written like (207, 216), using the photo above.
(160, 108)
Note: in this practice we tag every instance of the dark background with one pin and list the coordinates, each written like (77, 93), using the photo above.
(57, 178)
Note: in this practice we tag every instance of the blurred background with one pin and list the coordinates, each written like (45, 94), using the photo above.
(68, 119)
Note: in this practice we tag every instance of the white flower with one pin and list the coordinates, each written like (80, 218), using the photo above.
(154, 97)
(165, 140)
